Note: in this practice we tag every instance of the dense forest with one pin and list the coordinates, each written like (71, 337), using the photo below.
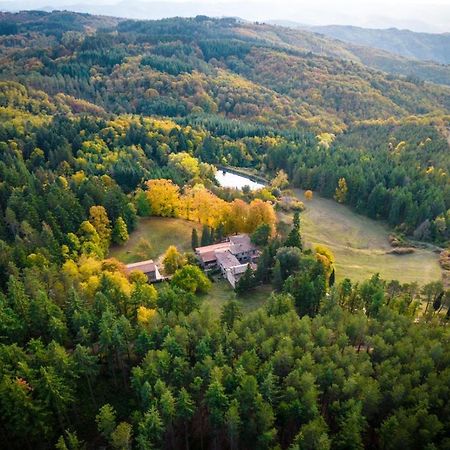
(106, 121)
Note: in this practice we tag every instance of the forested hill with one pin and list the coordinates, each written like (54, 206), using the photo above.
(384, 53)
(57, 22)
(421, 46)
(237, 80)
(92, 356)
(177, 67)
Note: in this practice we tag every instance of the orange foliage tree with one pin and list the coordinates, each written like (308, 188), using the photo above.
(201, 205)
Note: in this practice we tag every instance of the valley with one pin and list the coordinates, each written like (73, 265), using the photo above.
(294, 326)
(360, 244)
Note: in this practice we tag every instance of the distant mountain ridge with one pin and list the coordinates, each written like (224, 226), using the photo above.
(288, 33)
(406, 43)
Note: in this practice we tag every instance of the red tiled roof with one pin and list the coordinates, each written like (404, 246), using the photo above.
(207, 257)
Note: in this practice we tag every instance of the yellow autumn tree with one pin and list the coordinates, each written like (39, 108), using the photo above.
(145, 316)
(173, 260)
(281, 181)
(203, 206)
(164, 197)
(184, 163)
(340, 194)
(98, 217)
(238, 216)
(260, 212)
(325, 256)
(90, 240)
(309, 195)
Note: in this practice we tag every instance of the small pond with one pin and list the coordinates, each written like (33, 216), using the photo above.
(233, 180)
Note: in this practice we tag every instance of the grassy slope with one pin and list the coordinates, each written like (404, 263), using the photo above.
(161, 233)
(360, 244)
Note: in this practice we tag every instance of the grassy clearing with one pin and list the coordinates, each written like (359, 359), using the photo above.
(160, 232)
(221, 292)
(360, 244)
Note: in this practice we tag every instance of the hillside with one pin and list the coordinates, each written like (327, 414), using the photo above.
(178, 67)
(410, 44)
(56, 23)
(378, 56)
(111, 133)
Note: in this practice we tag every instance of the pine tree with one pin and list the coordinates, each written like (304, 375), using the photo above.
(332, 278)
(277, 276)
(246, 282)
(206, 236)
(194, 239)
(220, 232)
(106, 420)
(294, 239)
(231, 312)
(262, 273)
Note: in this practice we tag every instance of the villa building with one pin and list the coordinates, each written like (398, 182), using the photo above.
(230, 257)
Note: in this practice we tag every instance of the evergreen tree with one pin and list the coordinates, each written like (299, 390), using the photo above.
(261, 235)
(231, 312)
(262, 273)
(294, 238)
(246, 282)
(206, 238)
(277, 276)
(332, 278)
(194, 239)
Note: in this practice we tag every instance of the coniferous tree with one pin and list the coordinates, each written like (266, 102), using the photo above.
(231, 312)
(332, 278)
(246, 282)
(194, 239)
(206, 236)
(277, 276)
(294, 238)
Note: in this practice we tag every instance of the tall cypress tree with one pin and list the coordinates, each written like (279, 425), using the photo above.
(207, 236)
(194, 239)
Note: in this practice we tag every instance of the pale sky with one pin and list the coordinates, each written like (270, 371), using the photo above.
(419, 15)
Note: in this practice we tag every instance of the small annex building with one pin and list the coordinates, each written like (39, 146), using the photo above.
(231, 257)
(149, 268)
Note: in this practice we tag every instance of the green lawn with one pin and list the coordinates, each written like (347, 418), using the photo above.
(160, 232)
(360, 244)
(221, 292)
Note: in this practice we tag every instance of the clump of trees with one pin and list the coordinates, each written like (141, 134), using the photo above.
(200, 205)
